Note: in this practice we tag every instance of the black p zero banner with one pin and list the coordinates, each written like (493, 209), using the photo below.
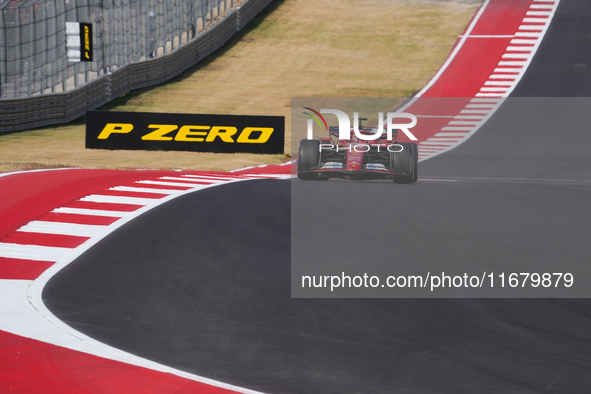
(185, 132)
(79, 45)
(86, 42)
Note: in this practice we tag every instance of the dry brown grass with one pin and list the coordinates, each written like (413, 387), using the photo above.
(302, 48)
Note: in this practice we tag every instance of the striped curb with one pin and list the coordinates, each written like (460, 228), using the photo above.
(33, 254)
(38, 245)
(507, 73)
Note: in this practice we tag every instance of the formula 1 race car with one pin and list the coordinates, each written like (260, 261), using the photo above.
(356, 159)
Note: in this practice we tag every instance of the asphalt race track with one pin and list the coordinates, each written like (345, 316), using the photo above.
(203, 282)
(562, 63)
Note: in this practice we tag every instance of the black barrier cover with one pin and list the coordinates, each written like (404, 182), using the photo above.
(185, 132)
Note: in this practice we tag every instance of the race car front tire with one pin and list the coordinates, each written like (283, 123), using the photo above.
(415, 155)
(405, 163)
(309, 158)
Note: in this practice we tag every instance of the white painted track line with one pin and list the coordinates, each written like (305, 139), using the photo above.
(118, 199)
(33, 252)
(80, 230)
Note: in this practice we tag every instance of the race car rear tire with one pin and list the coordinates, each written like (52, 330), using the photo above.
(405, 163)
(309, 158)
